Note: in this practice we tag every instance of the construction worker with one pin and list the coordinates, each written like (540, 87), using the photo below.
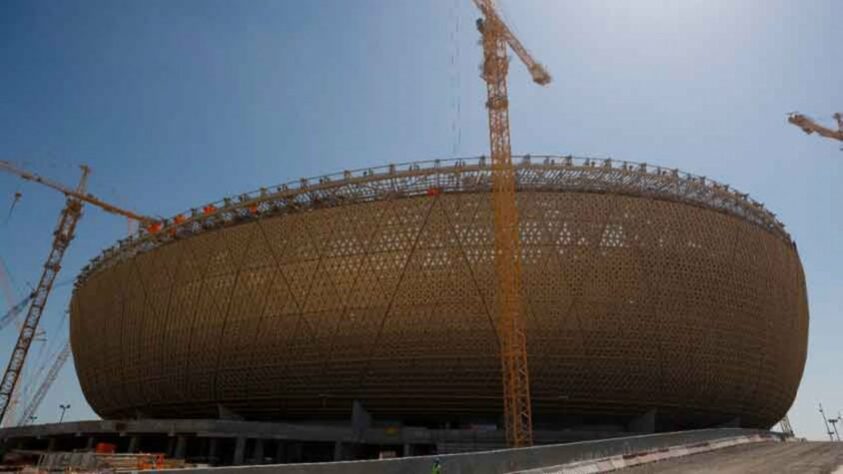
(154, 228)
(437, 467)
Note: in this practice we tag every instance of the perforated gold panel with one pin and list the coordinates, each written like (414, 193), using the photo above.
(632, 303)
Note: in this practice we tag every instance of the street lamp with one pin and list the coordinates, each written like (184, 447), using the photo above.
(833, 422)
(825, 420)
(64, 408)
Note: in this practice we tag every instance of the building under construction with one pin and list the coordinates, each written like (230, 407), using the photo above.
(654, 301)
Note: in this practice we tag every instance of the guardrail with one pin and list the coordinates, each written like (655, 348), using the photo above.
(532, 173)
(505, 460)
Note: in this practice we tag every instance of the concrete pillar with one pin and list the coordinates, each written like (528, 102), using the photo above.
(408, 450)
(338, 451)
(257, 452)
(225, 413)
(361, 420)
(213, 447)
(281, 452)
(733, 423)
(92, 442)
(645, 423)
(51, 445)
(294, 452)
(181, 448)
(134, 444)
(239, 451)
(171, 447)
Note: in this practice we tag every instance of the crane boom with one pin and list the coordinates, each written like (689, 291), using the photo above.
(61, 239)
(511, 327)
(81, 196)
(33, 405)
(809, 126)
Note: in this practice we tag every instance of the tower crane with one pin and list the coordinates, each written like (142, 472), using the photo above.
(511, 327)
(809, 126)
(78, 194)
(62, 236)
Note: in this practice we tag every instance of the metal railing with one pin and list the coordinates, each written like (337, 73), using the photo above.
(533, 173)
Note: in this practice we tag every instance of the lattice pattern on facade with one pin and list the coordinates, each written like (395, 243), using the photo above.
(670, 297)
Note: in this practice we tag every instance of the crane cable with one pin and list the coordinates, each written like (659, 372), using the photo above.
(6, 282)
(18, 194)
(47, 356)
(456, 79)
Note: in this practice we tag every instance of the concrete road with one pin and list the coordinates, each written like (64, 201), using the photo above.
(763, 457)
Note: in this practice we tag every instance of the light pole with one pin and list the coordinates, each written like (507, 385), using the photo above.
(833, 422)
(825, 420)
(64, 408)
(32, 419)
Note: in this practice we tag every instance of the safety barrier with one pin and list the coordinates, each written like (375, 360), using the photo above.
(521, 459)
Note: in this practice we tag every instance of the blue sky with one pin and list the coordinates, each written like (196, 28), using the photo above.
(174, 104)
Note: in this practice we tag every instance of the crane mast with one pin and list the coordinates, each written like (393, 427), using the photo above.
(511, 325)
(61, 239)
(6, 319)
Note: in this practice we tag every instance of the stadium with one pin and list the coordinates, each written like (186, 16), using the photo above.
(650, 294)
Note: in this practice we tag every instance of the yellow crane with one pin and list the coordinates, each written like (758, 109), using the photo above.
(78, 194)
(511, 326)
(62, 236)
(809, 126)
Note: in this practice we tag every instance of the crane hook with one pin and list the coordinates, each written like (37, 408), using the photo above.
(18, 195)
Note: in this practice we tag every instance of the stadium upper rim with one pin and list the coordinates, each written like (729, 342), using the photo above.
(432, 177)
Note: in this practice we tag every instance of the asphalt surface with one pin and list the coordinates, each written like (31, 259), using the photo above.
(763, 457)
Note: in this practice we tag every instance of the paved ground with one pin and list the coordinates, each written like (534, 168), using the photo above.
(764, 457)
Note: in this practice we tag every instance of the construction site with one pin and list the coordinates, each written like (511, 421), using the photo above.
(494, 313)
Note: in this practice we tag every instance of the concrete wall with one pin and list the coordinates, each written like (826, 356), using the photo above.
(501, 461)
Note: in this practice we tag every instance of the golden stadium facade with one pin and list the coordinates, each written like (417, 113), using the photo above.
(646, 290)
